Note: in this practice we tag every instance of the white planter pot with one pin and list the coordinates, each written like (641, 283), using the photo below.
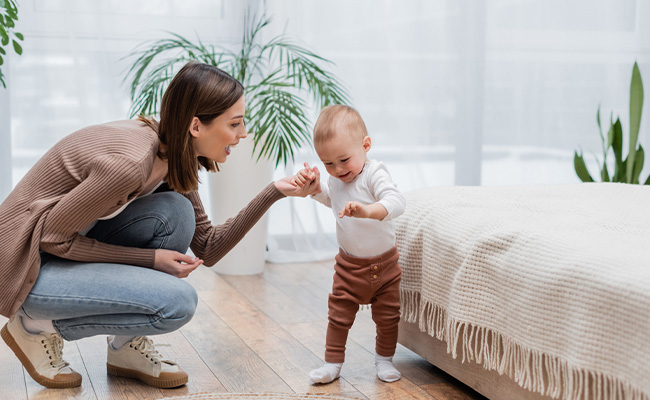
(238, 182)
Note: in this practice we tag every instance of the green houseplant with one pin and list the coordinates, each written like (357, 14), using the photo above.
(280, 79)
(628, 169)
(276, 74)
(8, 18)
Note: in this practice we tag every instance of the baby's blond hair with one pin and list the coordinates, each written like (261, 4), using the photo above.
(338, 119)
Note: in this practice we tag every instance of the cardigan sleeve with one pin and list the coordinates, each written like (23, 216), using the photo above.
(111, 180)
(211, 242)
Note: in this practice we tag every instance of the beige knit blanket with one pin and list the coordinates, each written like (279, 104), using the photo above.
(547, 284)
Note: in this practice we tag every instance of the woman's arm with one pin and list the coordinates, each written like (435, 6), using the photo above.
(212, 242)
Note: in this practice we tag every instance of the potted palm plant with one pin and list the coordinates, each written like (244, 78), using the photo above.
(8, 18)
(280, 77)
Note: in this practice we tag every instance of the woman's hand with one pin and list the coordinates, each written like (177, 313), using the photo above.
(175, 263)
(306, 182)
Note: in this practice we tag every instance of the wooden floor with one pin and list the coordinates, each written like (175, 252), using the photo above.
(260, 333)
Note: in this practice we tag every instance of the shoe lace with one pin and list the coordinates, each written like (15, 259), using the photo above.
(146, 347)
(53, 345)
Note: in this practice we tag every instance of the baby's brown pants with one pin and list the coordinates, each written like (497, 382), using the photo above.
(373, 280)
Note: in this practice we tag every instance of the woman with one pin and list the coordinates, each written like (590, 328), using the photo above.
(93, 238)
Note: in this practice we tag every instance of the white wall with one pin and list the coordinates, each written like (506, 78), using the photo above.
(518, 80)
(71, 71)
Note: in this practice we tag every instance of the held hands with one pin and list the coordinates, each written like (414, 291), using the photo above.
(175, 263)
(306, 176)
(306, 182)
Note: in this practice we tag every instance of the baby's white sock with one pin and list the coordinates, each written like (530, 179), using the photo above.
(325, 374)
(386, 371)
(36, 326)
(119, 341)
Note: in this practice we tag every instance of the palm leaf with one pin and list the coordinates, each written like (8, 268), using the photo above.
(301, 66)
(279, 125)
(275, 75)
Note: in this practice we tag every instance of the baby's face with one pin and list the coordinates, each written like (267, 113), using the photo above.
(344, 155)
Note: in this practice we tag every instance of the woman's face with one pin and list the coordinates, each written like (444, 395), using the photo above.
(216, 139)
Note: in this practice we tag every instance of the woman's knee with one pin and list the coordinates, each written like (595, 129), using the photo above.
(180, 306)
(178, 221)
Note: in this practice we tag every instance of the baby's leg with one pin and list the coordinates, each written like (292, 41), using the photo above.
(386, 314)
(341, 316)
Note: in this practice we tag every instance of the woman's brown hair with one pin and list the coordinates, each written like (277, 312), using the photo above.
(198, 90)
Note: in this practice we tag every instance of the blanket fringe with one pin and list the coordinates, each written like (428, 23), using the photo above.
(532, 370)
(410, 301)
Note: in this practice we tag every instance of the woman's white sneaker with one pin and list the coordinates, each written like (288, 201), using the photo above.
(139, 359)
(41, 355)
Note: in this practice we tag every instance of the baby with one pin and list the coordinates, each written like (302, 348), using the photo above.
(366, 269)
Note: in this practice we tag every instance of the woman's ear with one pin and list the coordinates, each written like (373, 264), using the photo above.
(366, 143)
(195, 127)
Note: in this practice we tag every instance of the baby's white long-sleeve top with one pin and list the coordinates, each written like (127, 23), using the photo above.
(364, 237)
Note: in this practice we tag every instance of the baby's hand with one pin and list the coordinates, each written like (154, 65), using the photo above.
(355, 209)
(300, 184)
(305, 176)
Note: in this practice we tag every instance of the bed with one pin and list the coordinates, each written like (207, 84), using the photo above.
(530, 292)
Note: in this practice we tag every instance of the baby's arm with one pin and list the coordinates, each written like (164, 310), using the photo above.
(390, 202)
(386, 193)
(358, 210)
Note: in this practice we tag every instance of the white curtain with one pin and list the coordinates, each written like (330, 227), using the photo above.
(71, 71)
(466, 92)
(469, 92)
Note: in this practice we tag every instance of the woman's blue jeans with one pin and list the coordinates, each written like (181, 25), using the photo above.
(86, 299)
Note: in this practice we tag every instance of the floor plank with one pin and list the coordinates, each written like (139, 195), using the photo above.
(285, 355)
(358, 358)
(233, 362)
(12, 374)
(285, 311)
(359, 367)
(317, 278)
(260, 333)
